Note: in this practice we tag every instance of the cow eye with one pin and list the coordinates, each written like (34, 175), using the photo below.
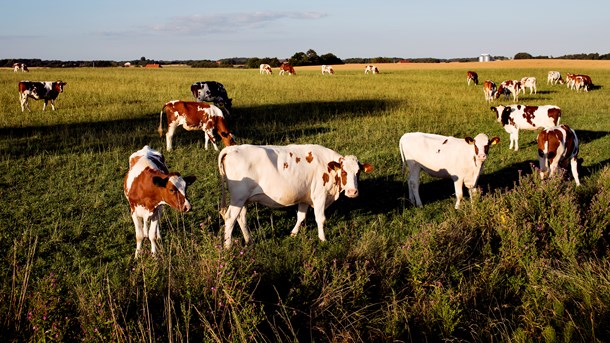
(173, 190)
(540, 153)
(552, 154)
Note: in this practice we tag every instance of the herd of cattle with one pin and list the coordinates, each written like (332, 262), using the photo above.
(312, 175)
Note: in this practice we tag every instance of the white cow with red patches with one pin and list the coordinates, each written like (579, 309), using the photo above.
(444, 157)
(39, 90)
(558, 147)
(265, 69)
(529, 82)
(372, 69)
(147, 186)
(328, 69)
(282, 176)
(509, 86)
(489, 90)
(520, 117)
(554, 77)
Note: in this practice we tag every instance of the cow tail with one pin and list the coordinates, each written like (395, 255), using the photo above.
(160, 129)
(223, 178)
(402, 157)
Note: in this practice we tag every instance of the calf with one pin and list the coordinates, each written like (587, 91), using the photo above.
(371, 68)
(265, 69)
(287, 68)
(45, 90)
(554, 77)
(489, 89)
(472, 76)
(444, 157)
(328, 69)
(20, 67)
(195, 116)
(281, 176)
(558, 147)
(147, 186)
(519, 117)
(513, 86)
(529, 82)
(212, 91)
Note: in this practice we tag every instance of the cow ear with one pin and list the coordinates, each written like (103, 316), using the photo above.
(190, 179)
(469, 140)
(160, 181)
(492, 108)
(495, 140)
(367, 168)
(334, 165)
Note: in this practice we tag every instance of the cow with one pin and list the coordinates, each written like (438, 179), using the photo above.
(513, 86)
(37, 90)
(520, 117)
(287, 68)
(444, 157)
(529, 82)
(554, 77)
(558, 147)
(281, 176)
(371, 68)
(195, 116)
(328, 69)
(147, 186)
(581, 81)
(20, 67)
(472, 76)
(214, 92)
(265, 69)
(489, 89)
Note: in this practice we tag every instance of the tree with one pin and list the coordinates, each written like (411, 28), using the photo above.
(523, 56)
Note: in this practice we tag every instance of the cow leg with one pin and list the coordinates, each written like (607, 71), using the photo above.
(243, 224)
(318, 211)
(230, 217)
(413, 184)
(153, 231)
(574, 167)
(459, 192)
(301, 214)
(53, 104)
(25, 102)
(208, 139)
(44, 105)
(170, 133)
(137, 222)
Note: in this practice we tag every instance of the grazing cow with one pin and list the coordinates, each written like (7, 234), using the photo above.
(287, 68)
(554, 77)
(45, 90)
(371, 68)
(195, 116)
(444, 157)
(489, 89)
(529, 82)
(472, 76)
(513, 86)
(212, 91)
(281, 176)
(581, 81)
(20, 66)
(328, 69)
(558, 147)
(147, 186)
(265, 69)
(519, 117)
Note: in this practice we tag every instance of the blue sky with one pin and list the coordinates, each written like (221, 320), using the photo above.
(190, 29)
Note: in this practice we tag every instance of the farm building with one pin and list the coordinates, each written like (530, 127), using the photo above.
(485, 58)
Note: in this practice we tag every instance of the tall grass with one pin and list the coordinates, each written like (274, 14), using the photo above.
(527, 261)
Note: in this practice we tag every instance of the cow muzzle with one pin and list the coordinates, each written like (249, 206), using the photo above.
(351, 193)
(186, 207)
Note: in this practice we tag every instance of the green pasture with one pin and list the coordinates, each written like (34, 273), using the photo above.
(525, 262)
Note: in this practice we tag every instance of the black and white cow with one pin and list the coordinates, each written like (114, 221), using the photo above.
(212, 91)
(45, 90)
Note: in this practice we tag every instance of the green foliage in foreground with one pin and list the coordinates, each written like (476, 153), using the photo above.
(526, 261)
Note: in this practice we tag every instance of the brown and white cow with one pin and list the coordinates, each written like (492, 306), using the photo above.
(529, 82)
(472, 76)
(489, 90)
(281, 176)
(558, 147)
(287, 68)
(20, 67)
(581, 82)
(371, 68)
(513, 86)
(195, 116)
(554, 77)
(444, 157)
(147, 186)
(519, 117)
(37, 90)
(328, 69)
(265, 69)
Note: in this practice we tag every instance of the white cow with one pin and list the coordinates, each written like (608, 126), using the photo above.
(554, 78)
(281, 176)
(513, 86)
(265, 69)
(529, 82)
(328, 69)
(371, 68)
(489, 89)
(444, 157)
(519, 117)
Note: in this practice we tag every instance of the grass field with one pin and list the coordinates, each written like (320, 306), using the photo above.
(527, 261)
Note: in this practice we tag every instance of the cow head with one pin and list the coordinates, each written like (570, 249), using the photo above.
(550, 145)
(219, 124)
(172, 188)
(59, 86)
(349, 168)
(481, 144)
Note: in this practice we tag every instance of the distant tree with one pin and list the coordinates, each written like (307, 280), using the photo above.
(299, 59)
(330, 59)
(523, 56)
(312, 57)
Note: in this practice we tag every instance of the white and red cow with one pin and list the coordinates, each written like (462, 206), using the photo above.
(37, 90)
(328, 69)
(20, 67)
(529, 82)
(281, 176)
(444, 157)
(554, 77)
(265, 69)
(195, 116)
(287, 68)
(472, 76)
(489, 89)
(558, 147)
(581, 82)
(371, 68)
(512, 86)
(519, 117)
(147, 186)
(214, 92)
